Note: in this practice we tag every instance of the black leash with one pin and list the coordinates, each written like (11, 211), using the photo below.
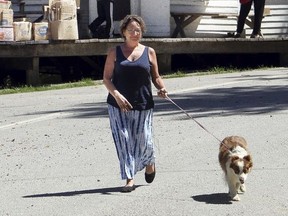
(169, 99)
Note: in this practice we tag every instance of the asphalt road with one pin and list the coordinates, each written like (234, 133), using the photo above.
(58, 158)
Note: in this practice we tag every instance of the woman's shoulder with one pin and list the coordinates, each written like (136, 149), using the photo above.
(151, 50)
(111, 54)
(112, 51)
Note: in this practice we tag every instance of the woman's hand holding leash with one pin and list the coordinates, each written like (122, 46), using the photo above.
(162, 93)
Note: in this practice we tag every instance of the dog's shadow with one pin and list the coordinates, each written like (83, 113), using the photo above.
(216, 199)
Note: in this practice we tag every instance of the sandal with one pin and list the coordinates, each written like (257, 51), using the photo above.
(128, 189)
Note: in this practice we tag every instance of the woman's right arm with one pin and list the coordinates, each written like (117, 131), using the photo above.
(108, 71)
(122, 102)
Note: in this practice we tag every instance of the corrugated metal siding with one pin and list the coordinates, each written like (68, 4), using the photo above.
(276, 25)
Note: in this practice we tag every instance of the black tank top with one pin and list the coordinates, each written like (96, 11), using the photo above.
(133, 80)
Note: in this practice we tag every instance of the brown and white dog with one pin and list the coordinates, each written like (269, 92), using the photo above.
(236, 162)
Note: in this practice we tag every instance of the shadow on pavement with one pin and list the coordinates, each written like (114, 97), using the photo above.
(225, 101)
(104, 191)
(210, 102)
(217, 198)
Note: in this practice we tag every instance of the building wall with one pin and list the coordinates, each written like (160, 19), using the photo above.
(159, 23)
(92, 10)
(156, 15)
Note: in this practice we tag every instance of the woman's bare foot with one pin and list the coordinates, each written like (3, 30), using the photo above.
(150, 169)
(129, 182)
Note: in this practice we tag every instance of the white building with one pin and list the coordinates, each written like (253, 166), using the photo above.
(157, 15)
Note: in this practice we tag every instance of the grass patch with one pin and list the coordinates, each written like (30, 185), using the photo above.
(213, 70)
(210, 71)
(90, 82)
(175, 75)
(24, 89)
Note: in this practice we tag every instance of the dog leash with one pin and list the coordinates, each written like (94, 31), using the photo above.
(198, 123)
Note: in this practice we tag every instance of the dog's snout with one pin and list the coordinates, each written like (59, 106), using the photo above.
(241, 180)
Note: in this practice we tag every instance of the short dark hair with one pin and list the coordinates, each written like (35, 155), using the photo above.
(129, 18)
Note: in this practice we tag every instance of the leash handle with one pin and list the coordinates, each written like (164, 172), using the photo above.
(169, 99)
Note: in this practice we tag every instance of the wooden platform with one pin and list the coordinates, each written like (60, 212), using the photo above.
(32, 51)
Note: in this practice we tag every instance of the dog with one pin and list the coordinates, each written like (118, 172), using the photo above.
(236, 162)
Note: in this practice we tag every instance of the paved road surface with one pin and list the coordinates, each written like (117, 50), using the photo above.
(58, 158)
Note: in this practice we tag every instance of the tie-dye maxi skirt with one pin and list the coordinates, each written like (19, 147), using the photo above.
(132, 135)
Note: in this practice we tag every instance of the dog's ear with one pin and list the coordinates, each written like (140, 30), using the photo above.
(249, 163)
(248, 158)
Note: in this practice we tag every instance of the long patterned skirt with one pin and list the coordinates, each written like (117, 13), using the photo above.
(132, 135)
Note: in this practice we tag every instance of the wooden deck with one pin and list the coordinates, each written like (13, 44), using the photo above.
(94, 47)
(32, 51)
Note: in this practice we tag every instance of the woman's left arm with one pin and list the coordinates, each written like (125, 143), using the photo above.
(156, 78)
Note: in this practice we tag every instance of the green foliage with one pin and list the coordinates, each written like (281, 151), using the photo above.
(176, 74)
(24, 89)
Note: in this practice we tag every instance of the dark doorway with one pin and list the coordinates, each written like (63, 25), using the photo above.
(121, 9)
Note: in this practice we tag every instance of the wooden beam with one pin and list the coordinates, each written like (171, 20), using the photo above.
(162, 46)
(32, 73)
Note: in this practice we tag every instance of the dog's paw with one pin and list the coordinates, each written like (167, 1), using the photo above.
(242, 188)
(236, 198)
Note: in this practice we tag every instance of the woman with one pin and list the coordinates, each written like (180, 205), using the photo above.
(128, 72)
